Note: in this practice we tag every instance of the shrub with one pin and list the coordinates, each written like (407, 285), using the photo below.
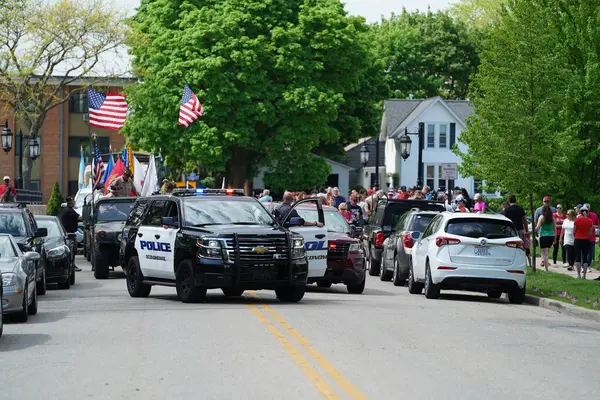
(56, 199)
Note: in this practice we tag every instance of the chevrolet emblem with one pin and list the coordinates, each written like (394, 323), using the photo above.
(260, 250)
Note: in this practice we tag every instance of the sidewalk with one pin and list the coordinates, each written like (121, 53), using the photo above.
(559, 269)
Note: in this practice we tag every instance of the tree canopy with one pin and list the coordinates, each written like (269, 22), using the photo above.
(277, 78)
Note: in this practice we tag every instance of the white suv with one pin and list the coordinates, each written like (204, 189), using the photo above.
(473, 252)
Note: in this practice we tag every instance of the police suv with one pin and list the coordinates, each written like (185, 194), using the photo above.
(210, 239)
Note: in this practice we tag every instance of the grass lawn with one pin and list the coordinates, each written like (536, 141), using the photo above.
(550, 284)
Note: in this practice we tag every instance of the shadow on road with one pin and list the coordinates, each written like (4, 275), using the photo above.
(216, 298)
(473, 298)
(21, 341)
(341, 290)
(42, 317)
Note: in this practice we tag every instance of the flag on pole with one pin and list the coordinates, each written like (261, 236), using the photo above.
(117, 171)
(223, 184)
(81, 177)
(124, 157)
(190, 109)
(97, 166)
(151, 179)
(130, 164)
(109, 167)
(107, 110)
(138, 174)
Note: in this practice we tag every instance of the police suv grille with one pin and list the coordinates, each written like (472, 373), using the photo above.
(340, 250)
(256, 249)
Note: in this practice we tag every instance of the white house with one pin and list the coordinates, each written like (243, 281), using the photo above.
(443, 122)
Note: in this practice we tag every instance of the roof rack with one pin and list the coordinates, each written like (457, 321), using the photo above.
(13, 205)
(205, 192)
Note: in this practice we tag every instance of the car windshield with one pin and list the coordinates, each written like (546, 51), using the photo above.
(113, 211)
(477, 228)
(13, 224)
(421, 221)
(6, 248)
(52, 225)
(334, 221)
(222, 212)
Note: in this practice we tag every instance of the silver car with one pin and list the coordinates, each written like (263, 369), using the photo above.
(19, 292)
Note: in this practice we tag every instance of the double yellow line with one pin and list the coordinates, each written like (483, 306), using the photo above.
(315, 378)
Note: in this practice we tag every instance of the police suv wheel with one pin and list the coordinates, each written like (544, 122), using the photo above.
(135, 280)
(232, 292)
(290, 294)
(187, 290)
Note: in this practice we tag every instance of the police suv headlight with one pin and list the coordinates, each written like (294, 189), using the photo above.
(298, 248)
(57, 252)
(210, 248)
(355, 248)
(9, 282)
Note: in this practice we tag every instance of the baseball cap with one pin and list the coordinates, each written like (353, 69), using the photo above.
(6, 177)
(547, 198)
(579, 206)
(584, 208)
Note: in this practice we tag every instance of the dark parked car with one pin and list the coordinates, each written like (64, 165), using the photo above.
(397, 248)
(107, 221)
(17, 220)
(59, 247)
(382, 223)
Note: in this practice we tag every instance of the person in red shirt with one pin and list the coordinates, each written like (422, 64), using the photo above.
(596, 222)
(559, 218)
(583, 230)
(8, 193)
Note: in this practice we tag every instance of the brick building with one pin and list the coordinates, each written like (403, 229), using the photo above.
(64, 131)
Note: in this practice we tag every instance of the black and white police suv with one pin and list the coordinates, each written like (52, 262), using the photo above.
(211, 239)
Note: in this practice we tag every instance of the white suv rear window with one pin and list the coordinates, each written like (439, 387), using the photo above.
(478, 227)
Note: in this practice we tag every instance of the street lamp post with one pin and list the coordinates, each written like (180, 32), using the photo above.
(34, 149)
(364, 158)
(405, 146)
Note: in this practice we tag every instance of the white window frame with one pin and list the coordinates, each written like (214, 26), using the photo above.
(439, 136)
(427, 146)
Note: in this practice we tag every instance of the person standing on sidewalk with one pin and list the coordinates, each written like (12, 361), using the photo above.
(592, 254)
(559, 218)
(517, 215)
(567, 238)
(69, 219)
(545, 227)
(584, 229)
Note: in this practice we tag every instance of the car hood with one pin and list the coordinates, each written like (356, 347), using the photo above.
(9, 264)
(52, 242)
(113, 226)
(340, 236)
(239, 229)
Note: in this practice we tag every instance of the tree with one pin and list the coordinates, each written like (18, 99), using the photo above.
(46, 46)
(480, 14)
(273, 76)
(517, 128)
(56, 199)
(426, 54)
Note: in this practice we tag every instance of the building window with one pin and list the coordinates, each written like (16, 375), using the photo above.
(78, 103)
(333, 180)
(443, 136)
(77, 142)
(478, 185)
(430, 176)
(430, 136)
(32, 185)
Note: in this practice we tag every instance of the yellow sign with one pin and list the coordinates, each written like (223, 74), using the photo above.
(181, 185)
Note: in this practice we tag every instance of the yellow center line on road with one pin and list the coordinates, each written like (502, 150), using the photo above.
(333, 372)
(309, 371)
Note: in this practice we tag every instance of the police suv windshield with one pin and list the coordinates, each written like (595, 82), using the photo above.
(113, 211)
(222, 212)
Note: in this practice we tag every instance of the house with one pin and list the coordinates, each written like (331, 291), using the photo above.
(365, 175)
(339, 177)
(443, 122)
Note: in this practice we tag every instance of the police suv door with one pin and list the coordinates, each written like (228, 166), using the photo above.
(151, 250)
(315, 240)
(167, 235)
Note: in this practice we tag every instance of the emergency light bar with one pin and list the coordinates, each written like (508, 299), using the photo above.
(202, 192)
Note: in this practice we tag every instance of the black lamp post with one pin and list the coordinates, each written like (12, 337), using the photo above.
(34, 148)
(405, 144)
(364, 158)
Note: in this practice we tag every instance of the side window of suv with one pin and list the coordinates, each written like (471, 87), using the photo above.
(31, 222)
(433, 225)
(135, 216)
(170, 210)
(154, 215)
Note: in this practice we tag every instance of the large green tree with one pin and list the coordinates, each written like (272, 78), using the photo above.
(275, 77)
(481, 14)
(427, 54)
(518, 138)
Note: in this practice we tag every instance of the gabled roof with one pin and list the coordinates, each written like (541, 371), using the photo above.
(344, 166)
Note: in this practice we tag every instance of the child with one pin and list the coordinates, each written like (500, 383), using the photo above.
(343, 208)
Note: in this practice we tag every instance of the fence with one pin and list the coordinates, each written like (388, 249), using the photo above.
(29, 196)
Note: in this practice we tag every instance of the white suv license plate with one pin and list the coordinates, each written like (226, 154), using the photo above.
(482, 251)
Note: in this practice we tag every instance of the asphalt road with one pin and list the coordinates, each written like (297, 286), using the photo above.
(95, 342)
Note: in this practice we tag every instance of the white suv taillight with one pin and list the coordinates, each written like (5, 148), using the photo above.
(517, 244)
(445, 241)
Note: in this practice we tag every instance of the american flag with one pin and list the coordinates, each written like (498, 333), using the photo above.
(98, 166)
(190, 109)
(107, 111)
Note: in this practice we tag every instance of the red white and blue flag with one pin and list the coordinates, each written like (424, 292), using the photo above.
(97, 167)
(107, 110)
(190, 109)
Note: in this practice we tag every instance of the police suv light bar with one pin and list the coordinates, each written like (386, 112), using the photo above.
(199, 192)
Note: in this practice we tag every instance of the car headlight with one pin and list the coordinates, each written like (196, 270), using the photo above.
(298, 248)
(57, 251)
(210, 248)
(355, 248)
(9, 281)
(119, 237)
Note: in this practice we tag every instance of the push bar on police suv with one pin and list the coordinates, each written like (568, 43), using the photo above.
(204, 192)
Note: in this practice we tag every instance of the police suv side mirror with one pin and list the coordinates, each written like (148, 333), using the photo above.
(168, 221)
(295, 221)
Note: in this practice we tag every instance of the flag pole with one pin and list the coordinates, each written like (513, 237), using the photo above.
(92, 211)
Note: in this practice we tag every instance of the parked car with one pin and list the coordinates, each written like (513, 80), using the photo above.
(59, 248)
(19, 290)
(471, 252)
(382, 223)
(397, 248)
(17, 220)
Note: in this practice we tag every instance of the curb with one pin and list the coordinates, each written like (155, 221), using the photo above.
(563, 308)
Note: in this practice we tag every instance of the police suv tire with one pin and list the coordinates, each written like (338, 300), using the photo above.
(101, 270)
(32, 309)
(187, 290)
(23, 315)
(41, 285)
(232, 292)
(357, 288)
(135, 280)
(291, 293)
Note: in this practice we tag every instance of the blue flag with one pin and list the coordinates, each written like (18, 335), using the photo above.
(81, 178)
(125, 157)
(109, 168)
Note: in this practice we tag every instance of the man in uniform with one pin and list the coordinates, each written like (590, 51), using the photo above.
(284, 209)
(69, 219)
(123, 185)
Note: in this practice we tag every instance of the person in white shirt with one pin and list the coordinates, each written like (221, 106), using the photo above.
(567, 238)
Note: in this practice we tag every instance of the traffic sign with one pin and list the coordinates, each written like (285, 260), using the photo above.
(449, 171)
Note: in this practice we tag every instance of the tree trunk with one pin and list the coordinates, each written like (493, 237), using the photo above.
(533, 224)
(237, 168)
